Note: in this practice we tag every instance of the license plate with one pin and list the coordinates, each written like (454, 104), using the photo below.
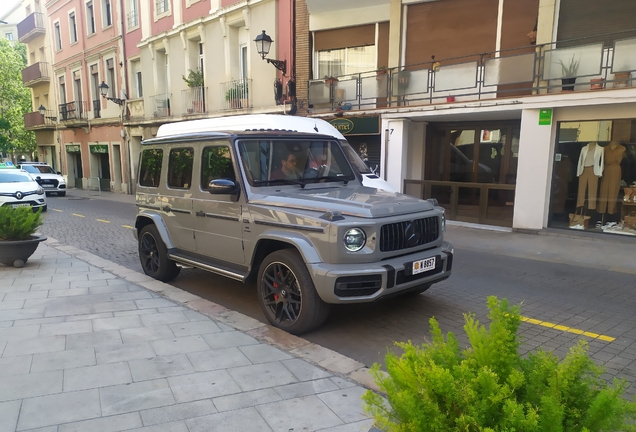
(47, 186)
(424, 265)
(20, 205)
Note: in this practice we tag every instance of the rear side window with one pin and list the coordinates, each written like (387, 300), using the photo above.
(216, 164)
(150, 167)
(180, 168)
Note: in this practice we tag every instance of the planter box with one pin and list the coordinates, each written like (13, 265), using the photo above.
(16, 253)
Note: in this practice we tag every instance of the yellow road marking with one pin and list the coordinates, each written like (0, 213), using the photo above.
(127, 226)
(568, 329)
(78, 215)
(59, 211)
(102, 220)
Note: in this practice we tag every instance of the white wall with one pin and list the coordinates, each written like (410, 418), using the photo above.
(534, 173)
(396, 137)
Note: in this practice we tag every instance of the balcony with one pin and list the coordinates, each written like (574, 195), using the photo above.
(37, 121)
(31, 27)
(97, 108)
(74, 114)
(558, 67)
(235, 94)
(35, 74)
(194, 101)
(161, 104)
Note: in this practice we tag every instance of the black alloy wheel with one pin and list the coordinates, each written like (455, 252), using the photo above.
(287, 293)
(153, 255)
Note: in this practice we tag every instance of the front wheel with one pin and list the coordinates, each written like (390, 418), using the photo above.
(287, 294)
(154, 255)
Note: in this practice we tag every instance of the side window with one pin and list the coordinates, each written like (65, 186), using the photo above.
(216, 164)
(150, 167)
(180, 168)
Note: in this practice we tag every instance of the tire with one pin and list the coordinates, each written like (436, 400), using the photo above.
(153, 255)
(45, 208)
(61, 194)
(287, 294)
(48, 194)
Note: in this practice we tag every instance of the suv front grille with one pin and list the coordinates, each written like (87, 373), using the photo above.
(49, 182)
(408, 234)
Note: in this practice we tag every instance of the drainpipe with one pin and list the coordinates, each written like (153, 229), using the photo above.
(125, 136)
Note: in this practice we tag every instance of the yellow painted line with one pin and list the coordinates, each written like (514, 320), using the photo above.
(78, 215)
(102, 220)
(127, 226)
(59, 211)
(568, 329)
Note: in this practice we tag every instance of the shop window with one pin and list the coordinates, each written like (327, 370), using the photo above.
(150, 167)
(594, 177)
(180, 168)
(217, 164)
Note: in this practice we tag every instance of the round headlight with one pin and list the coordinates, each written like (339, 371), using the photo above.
(39, 190)
(354, 239)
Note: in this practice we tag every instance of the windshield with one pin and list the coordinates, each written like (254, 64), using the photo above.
(38, 169)
(354, 159)
(269, 162)
(14, 176)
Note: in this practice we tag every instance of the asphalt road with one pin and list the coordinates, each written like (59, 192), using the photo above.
(592, 300)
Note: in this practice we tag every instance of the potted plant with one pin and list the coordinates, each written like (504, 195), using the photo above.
(195, 81)
(18, 240)
(330, 80)
(621, 79)
(568, 73)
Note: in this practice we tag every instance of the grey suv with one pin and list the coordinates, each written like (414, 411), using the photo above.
(287, 210)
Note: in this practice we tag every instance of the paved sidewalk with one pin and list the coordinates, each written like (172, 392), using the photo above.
(88, 345)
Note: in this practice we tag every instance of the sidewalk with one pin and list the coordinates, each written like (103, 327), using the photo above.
(88, 345)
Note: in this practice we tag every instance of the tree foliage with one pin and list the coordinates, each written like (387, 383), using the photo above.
(489, 387)
(15, 100)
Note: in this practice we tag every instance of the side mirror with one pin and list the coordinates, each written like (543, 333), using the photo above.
(38, 179)
(59, 172)
(224, 187)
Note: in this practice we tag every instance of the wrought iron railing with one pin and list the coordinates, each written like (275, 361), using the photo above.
(161, 103)
(235, 94)
(97, 107)
(73, 111)
(194, 100)
(132, 19)
(161, 5)
(594, 63)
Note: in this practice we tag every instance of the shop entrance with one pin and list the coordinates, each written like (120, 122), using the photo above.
(100, 167)
(471, 169)
(74, 166)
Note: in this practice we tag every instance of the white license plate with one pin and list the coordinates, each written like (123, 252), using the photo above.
(47, 186)
(424, 265)
(20, 205)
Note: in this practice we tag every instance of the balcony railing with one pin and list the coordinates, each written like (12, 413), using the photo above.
(161, 103)
(235, 94)
(97, 107)
(37, 72)
(194, 100)
(31, 26)
(35, 120)
(514, 72)
(133, 19)
(73, 111)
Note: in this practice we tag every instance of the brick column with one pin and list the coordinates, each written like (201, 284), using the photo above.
(303, 56)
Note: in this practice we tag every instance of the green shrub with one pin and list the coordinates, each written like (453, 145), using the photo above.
(18, 223)
(490, 387)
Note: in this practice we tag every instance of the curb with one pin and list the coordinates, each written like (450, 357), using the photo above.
(317, 355)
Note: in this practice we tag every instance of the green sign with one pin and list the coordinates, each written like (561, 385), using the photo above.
(545, 116)
(357, 125)
(73, 148)
(7, 164)
(99, 148)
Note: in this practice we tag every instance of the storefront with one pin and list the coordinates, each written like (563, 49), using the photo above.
(363, 133)
(594, 177)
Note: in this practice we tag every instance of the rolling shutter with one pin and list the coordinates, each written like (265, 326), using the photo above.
(585, 18)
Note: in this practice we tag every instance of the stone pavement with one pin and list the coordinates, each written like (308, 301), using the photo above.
(88, 345)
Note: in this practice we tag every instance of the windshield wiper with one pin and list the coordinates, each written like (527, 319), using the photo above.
(283, 181)
(342, 179)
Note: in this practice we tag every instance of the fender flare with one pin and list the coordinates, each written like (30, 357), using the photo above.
(304, 246)
(156, 220)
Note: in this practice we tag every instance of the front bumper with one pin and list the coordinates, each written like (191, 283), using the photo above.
(362, 283)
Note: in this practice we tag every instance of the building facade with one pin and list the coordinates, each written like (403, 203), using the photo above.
(487, 105)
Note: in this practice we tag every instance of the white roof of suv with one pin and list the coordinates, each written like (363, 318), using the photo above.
(241, 123)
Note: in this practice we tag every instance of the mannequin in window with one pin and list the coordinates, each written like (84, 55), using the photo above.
(611, 182)
(589, 170)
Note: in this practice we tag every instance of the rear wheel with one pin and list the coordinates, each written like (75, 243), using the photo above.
(287, 294)
(154, 255)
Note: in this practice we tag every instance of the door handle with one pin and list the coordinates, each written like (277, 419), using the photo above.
(200, 213)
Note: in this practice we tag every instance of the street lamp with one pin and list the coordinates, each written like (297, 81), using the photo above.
(43, 112)
(103, 90)
(263, 43)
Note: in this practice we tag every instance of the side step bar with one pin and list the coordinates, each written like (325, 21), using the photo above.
(232, 274)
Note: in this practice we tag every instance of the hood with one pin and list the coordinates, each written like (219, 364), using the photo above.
(359, 201)
(47, 176)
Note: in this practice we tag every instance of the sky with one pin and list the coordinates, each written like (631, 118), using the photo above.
(6, 5)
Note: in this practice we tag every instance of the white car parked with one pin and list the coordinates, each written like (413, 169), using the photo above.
(19, 189)
(51, 180)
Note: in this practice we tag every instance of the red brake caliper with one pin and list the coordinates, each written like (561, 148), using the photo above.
(276, 286)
